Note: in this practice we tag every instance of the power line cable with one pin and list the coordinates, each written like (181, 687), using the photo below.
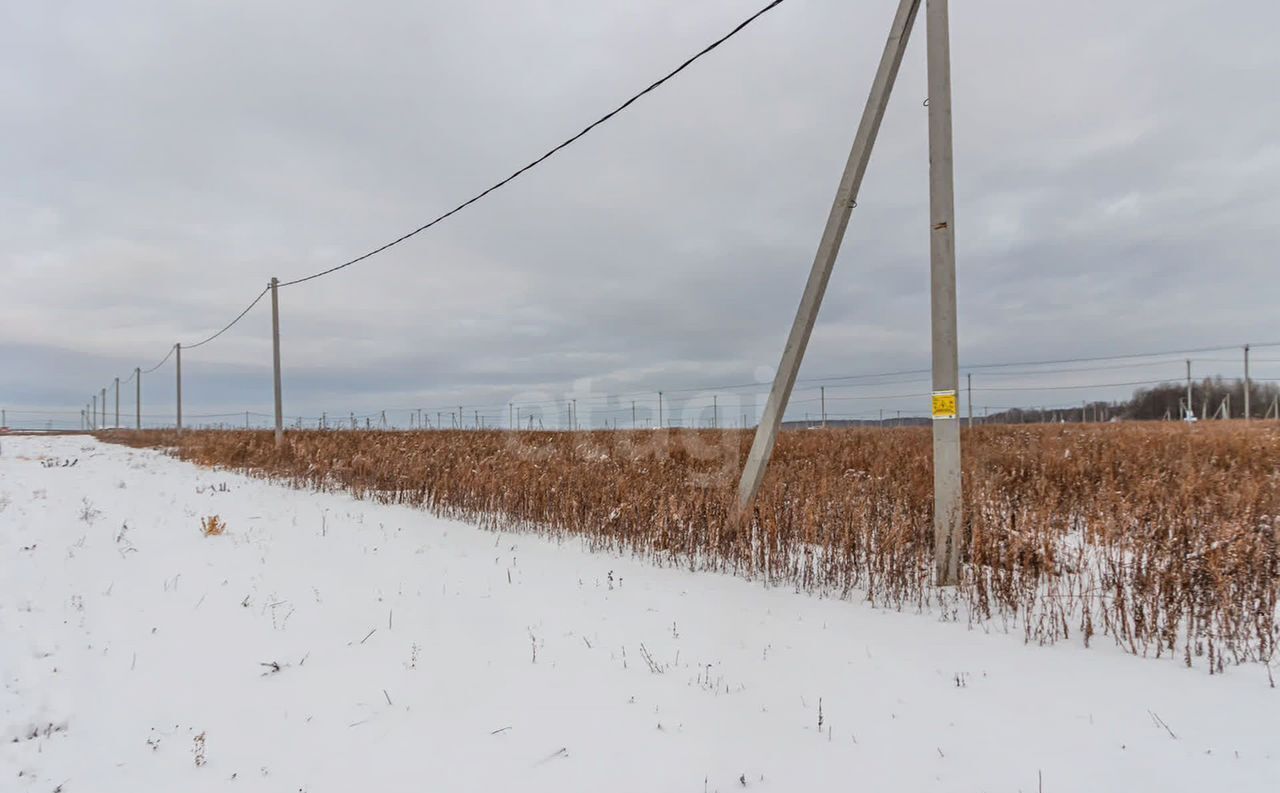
(1072, 387)
(230, 324)
(162, 361)
(567, 142)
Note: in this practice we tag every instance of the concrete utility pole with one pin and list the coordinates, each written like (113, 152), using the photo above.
(117, 403)
(633, 414)
(969, 376)
(94, 425)
(104, 408)
(1190, 410)
(659, 409)
(822, 391)
(1246, 382)
(177, 348)
(947, 517)
(275, 360)
(828, 248)
(137, 395)
(715, 412)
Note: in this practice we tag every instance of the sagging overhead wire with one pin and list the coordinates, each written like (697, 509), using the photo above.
(207, 339)
(162, 361)
(551, 152)
(230, 324)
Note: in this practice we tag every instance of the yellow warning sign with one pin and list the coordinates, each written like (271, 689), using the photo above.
(944, 404)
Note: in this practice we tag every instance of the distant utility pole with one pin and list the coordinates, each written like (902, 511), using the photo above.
(1246, 382)
(715, 412)
(511, 415)
(574, 424)
(117, 403)
(275, 360)
(104, 408)
(633, 414)
(137, 395)
(846, 199)
(970, 388)
(94, 424)
(659, 409)
(177, 348)
(1190, 410)
(822, 391)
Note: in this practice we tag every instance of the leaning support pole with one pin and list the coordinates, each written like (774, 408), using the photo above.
(828, 248)
(275, 358)
(947, 514)
(177, 348)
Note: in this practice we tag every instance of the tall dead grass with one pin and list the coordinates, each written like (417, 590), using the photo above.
(1162, 537)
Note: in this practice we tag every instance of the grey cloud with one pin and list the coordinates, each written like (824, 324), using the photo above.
(1115, 174)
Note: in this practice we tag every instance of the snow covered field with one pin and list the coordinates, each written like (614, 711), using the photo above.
(326, 644)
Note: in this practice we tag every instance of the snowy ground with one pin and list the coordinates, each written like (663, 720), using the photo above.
(418, 654)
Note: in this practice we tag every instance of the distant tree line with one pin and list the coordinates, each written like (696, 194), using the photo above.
(1212, 397)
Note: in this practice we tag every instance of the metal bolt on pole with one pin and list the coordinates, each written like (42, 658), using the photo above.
(846, 199)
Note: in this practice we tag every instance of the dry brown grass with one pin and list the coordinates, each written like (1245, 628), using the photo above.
(1163, 537)
(213, 526)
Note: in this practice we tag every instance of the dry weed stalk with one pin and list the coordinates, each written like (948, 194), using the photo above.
(213, 526)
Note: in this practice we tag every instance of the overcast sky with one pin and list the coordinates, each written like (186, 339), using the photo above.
(1116, 174)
